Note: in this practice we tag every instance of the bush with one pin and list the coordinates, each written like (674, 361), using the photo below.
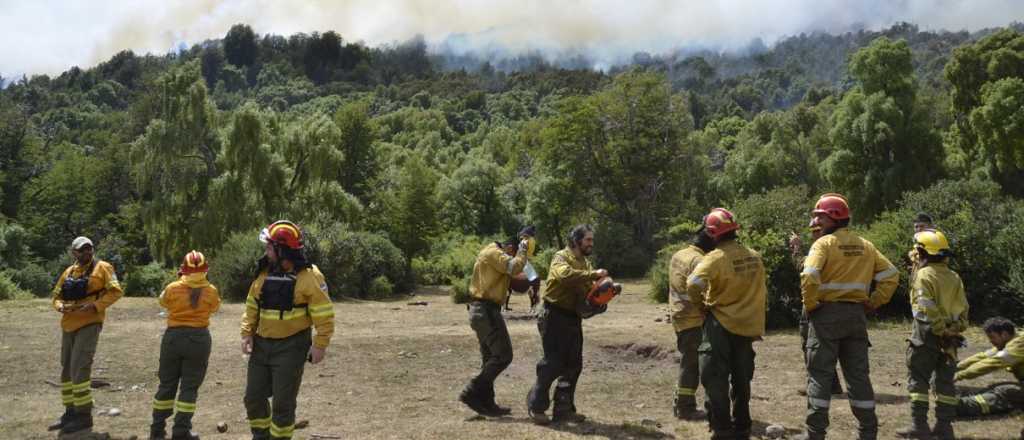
(657, 275)
(33, 278)
(233, 266)
(148, 280)
(380, 288)
(983, 227)
(353, 260)
(10, 290)
(451, 256)
(460, 289)
(615, 250)
(542, 261)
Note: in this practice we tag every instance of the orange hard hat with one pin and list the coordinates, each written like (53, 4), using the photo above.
(194, 262)
(284, 233)
(719, 222)
(833, 205)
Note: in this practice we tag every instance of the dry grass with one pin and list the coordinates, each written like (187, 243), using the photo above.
(394, 371)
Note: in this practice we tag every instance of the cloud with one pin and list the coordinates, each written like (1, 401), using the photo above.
(51, 36)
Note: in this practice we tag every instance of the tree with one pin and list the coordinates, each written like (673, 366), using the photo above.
(240, 47)
(357, 135)
(415, 213)
(998, 121)
(14, 132)
(212, 60)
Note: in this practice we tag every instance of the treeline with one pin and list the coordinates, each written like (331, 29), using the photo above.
(400, 167)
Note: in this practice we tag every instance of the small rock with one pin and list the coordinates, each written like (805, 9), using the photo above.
(658, 320)
(114, 412)
(641, 405)
(135, 387)
(222, 427)
(775, 431)
(650, 423)
(102, 412)
(302, 424)
(99, 383)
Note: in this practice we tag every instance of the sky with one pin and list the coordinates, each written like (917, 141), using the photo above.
(50, 36)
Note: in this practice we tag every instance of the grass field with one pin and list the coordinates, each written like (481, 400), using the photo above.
(394, 370)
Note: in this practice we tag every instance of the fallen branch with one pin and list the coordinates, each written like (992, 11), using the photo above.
(324, 437)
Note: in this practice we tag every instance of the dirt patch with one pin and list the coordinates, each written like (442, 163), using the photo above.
(639, 351)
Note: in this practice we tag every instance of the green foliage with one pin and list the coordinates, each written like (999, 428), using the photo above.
(33, 278)
(233, 265)
(380, 288)
(451, 257)
(658, 276)
(998, 121)
(148, 280)
(352, 260)
(10, 290)
(240, 46)
(460, 289)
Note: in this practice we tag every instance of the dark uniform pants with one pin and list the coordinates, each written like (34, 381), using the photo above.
(495, 347)
(838, 331)
(275, 370)
(687, 342)
(927, 364)
(726, 369)
(1000, 398)
(77, 349)
(184, 356)
(561, 335)
(805, 324)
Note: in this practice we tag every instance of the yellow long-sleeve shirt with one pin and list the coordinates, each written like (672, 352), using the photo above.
(312, 308)
(840, 268)
(685, 314)
(493, 272)
(730, 281)
(177, 299)
(569, 280)
(937, 297)
(1010, 358)
(103, 282)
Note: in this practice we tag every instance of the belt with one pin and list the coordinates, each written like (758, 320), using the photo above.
(561, 311)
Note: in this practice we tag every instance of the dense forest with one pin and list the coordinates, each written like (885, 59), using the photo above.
(399, 162)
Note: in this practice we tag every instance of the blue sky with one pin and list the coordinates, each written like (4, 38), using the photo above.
(50, 36)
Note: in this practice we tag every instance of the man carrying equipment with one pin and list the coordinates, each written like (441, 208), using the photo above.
(82, 295)
(288, 297)
(939, 304)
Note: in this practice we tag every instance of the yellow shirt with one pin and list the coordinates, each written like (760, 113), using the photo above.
(492, 273)
(569, 280)
(685, 314)
(730, 281)
(1010, 358)
(312, 307)
(177, 299)
(840, 268)
(102, 281)
(937, 297)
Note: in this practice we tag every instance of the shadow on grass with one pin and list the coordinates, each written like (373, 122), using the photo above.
(628, 429)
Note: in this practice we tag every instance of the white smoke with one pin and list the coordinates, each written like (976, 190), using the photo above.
(51, 36)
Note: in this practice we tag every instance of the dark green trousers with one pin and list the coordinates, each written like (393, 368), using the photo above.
(927, 364)
(839, 332)
(726, 369)
(275, 370)
(77, 350)
(1000, 398)
(561, 335)
(184, 356)
(495, 346)
(687, 342)
(805, 325)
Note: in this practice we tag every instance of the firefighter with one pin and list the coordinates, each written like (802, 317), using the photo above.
(559, 321)
(730, 282)
(82, 295)
(185, 348)
(288, 297)
(797, 253)
(492, 273)
(1007, 353)
(838, 273)
(940, 308)
(687, 319)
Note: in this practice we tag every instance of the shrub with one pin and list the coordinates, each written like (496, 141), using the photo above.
(148, 280)
(233, 266)
(460, 289)
(10, 290)
(380, 288)
(451, 256)
(33, 278)
(352, 260)
(657, 275)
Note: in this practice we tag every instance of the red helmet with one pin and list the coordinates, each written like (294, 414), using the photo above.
(833, 205)
(283, 233)
(194, 262)
(719, 221)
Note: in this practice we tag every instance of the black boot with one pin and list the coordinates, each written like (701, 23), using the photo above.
(78, 422)
(686, 410)
(186, 436)
(493, 409)
(471, 398)
(69, 412)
